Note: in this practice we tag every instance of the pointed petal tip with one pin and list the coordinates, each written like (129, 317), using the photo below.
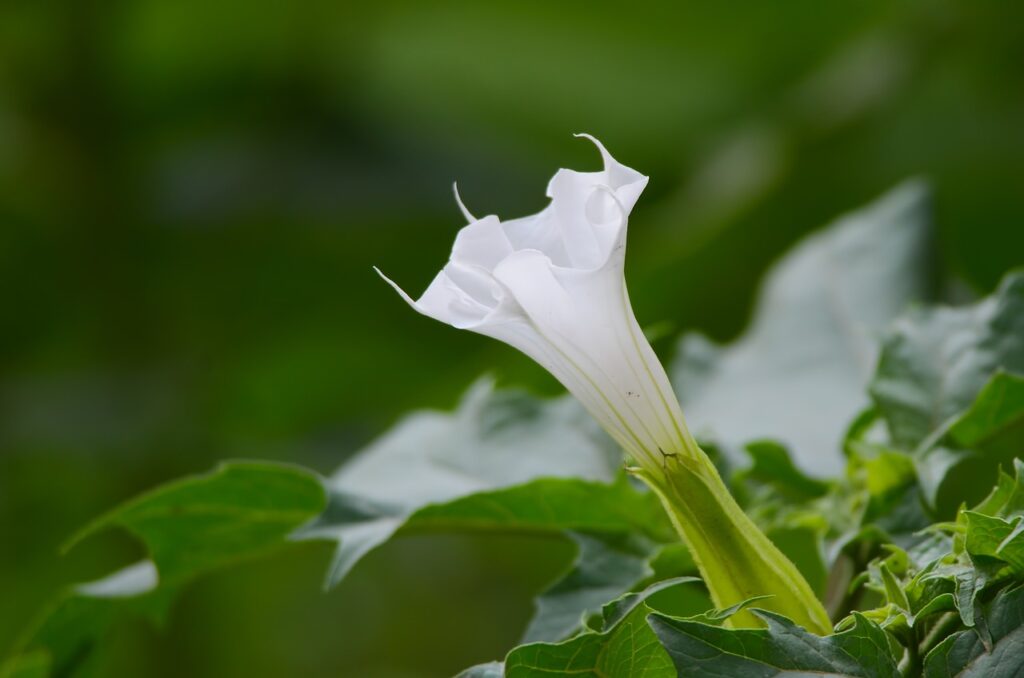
(409, 300)
(592, 139)
(462, 206)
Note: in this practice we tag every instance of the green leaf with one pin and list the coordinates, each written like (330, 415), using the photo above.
(71, 632)
(997, 652)
(934, 362)
(950, 565)
(934, 467)
(604, 569)
(198, 523)
(894, 593)
(188, 527)
(773, 466)
(809, 347)
(995, 417)
(502, 461)
(783, 649)
(625, 646)
(551, 504)
(990, 537)
(1007, 498)
(970, 447)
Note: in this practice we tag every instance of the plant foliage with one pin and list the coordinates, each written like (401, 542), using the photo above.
(916, 543)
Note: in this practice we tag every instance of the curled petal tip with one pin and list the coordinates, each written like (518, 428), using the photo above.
(605, 155)
(462, 206)
(409, 300)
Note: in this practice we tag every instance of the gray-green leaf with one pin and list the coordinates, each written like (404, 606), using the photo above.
(604, 569)
(934, 362)
(503, 460)
(798, 374)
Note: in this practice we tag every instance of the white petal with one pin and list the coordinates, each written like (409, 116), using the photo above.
(586, 318)
(627, 183)
(590, 209)
(482, 243)
(445, 301)
(539, 232)
(462, 206)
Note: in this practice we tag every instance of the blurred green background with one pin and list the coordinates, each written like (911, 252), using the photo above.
(193, 192)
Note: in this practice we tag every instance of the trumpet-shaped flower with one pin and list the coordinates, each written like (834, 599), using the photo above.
(552, 285)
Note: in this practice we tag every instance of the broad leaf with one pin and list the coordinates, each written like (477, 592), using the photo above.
(625, 647)
(995, 652)
(502, 460)
(997, 416)
(783, 649)
(934, 362)
(798, 374)
(604, 569)
(969, 448)
(188, 527)
(1007, 498)
(198, 523)
(998, 538)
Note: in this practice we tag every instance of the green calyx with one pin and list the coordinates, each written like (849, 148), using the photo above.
(735, 558)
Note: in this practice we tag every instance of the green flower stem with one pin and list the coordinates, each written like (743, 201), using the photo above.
(736, 559)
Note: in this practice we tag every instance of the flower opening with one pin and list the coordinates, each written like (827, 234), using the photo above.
(552, 285)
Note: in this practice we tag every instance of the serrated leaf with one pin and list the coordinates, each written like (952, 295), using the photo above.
(1007, 498)
(604, 569)
(198, 523)
(783, 649)
(991, 537)
(189, 527)
(971, 446)
(625, 648)
(716, 617)
(934, 362)
(503, 460)
(967, 654)
(809, 347)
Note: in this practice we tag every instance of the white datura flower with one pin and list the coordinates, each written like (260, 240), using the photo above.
(552, 285)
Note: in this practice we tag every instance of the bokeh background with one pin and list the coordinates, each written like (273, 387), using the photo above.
(193, 192)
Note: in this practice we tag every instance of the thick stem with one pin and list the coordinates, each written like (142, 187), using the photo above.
(736, 559)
